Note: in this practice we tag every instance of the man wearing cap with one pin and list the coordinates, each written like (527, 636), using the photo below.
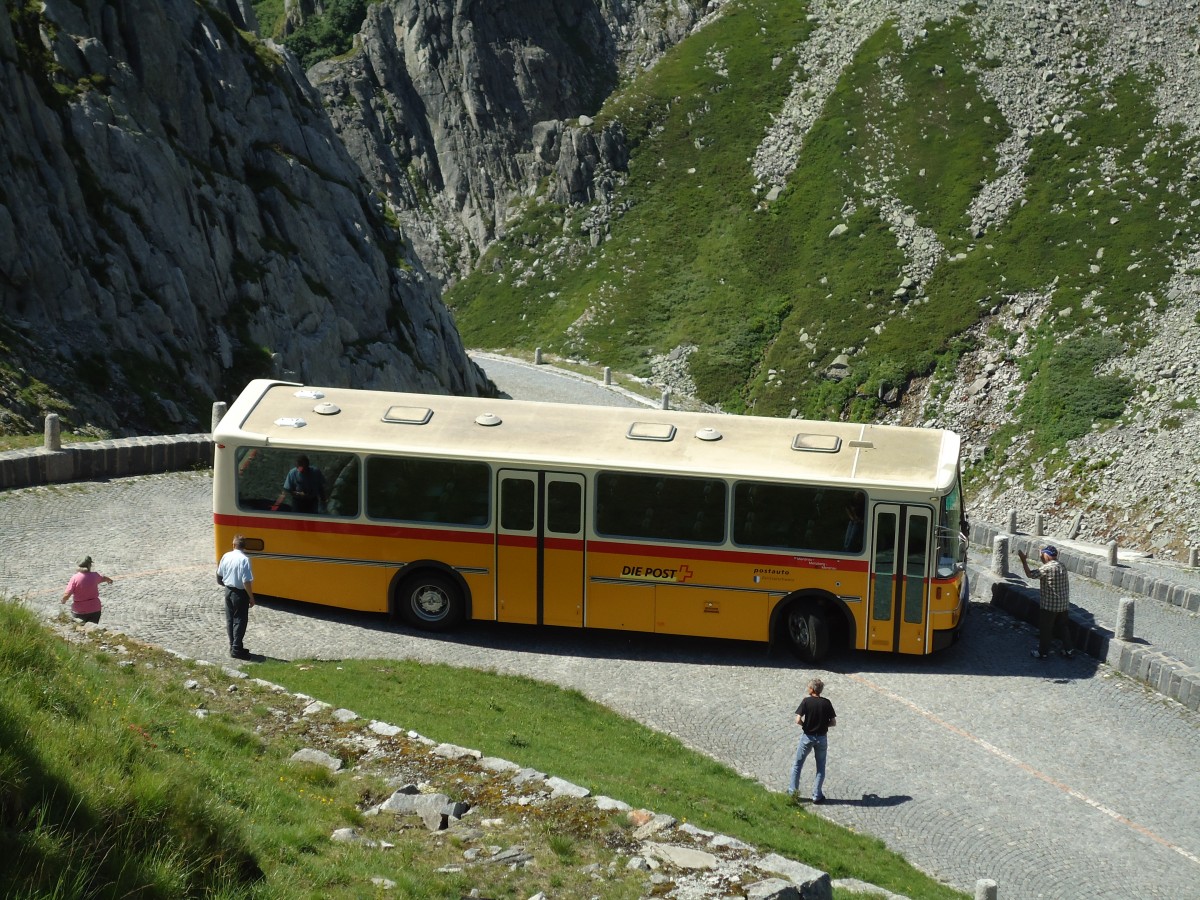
(1055, 601)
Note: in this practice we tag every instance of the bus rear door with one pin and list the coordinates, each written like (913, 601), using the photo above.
(899, 605)
(540, 548)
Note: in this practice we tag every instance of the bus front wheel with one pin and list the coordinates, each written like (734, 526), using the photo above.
(431, 601)
(809, 634)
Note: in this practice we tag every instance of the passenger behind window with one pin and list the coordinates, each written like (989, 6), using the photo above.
(305, 485)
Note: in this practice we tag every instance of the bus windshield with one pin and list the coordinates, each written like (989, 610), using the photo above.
(952, 547)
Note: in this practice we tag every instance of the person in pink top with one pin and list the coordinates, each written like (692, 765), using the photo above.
(84, 586)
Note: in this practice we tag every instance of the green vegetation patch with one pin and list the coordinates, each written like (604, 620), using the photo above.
(109, 790)
(326, 34)
(1107, 210)
(1066, 397)
(270, 16)
(907, 124)
(758, 285)
(35, 59)
(126, 771)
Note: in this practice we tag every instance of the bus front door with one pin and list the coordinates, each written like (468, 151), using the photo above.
(539, 548)
(899, 603)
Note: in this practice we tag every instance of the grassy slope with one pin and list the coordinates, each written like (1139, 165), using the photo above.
(108, 786)
(698, 258)
(934, 152)
(111, 785)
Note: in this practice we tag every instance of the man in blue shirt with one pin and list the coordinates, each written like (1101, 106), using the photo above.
(235, 575)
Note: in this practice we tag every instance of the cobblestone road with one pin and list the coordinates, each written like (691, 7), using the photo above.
(1057, 779)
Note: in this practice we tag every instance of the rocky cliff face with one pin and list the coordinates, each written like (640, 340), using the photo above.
(174, 210)
(457, 112)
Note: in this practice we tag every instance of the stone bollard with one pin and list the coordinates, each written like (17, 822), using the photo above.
(986, 889)
(608, 374)
(1012, 521)
(1000, 555)
(1076, 526)
(218, 413)
(277, 364)
(1039, 525)
(537, 356)
(666, 399)
(1112, 553)
(1192, 557)
(1124, 630)
(53, 437)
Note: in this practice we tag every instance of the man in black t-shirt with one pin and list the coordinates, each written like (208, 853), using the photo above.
(816, 716)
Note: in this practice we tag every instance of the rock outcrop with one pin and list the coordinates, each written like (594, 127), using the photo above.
(458, 113)
(177, 215)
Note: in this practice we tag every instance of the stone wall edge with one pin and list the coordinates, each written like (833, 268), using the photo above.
(104, 459)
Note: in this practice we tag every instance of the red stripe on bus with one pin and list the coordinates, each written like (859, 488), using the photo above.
(394, 532)
(517, 540)
(575, 544)
(744, 557)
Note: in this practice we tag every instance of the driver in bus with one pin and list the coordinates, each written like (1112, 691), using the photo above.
(305, 485)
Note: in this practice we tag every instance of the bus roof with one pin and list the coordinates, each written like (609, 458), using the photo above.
(524, 433)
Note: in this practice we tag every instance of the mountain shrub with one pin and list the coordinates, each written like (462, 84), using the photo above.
(329, 34)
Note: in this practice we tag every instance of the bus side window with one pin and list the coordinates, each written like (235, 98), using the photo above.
(518, 510)
(798, 517)
(854, 523)
(660, 508)
(434, 491)
(564, 507)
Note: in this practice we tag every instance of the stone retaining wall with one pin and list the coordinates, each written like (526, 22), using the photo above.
(1123, 577)
(99, 460)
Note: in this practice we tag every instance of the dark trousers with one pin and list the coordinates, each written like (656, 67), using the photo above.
(1053, 625)
(237, 614)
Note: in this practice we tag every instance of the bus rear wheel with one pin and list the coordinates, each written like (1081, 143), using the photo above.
(431, 601)
(809, 634)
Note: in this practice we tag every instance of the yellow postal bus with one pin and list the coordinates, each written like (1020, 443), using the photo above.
(444, 509)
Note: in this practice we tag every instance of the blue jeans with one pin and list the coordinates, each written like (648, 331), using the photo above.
(818, 744)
